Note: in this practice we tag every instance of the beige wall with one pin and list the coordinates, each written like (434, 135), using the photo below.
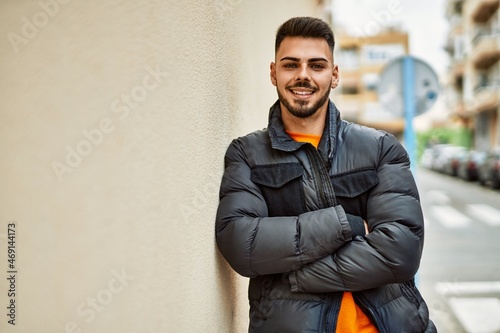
(115, 116)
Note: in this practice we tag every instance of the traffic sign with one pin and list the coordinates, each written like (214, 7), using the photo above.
(408, 87)
(391, 86)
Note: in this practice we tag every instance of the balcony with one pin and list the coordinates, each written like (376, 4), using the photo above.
(453, 7)
(374, 115)
(461, 112)
(485, 50)
(350, 106)
(486, 97)
(350, 78)
(483, 10)
(456, 74)
(454, 41)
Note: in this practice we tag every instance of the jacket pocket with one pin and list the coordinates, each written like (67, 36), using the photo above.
(351, 189)
(281, 186)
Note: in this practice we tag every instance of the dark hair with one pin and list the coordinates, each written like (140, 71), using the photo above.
(305, 27)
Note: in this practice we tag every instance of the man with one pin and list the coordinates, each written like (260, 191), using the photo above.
(322, 215)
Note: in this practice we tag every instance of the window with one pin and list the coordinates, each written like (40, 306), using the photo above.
(350, 90)
(348, 58)
(370, 81)
(378, 54)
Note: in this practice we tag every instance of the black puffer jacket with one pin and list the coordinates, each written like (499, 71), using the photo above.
(279, 223)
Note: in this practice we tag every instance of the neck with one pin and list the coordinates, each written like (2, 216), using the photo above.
(314, 124)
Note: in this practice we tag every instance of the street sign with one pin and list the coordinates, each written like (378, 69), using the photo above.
(391, 86)
(408, 87)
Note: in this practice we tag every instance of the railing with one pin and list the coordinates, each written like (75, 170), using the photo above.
(484, 33)
(486, 85)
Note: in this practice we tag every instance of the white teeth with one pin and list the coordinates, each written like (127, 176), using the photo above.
(302, 92)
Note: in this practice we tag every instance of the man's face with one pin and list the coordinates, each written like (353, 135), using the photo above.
(303, 75)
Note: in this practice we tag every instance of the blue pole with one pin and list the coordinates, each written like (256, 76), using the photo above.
(409, 107)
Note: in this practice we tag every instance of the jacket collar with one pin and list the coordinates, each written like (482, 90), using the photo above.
(280, 140)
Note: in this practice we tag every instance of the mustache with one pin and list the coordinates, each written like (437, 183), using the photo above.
(303, 84)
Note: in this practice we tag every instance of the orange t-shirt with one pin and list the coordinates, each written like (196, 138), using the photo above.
(351, 318)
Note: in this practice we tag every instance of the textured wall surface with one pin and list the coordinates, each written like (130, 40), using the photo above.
(115, 116)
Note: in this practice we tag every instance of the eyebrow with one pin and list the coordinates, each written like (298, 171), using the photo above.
(308, 60)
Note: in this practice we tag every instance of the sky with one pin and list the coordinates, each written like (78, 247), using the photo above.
(424, 20)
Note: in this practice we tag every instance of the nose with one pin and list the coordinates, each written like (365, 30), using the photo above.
(303, 73)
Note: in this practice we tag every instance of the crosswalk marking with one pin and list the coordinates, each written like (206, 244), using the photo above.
(467, 288)
(473, 303)
(437, 197)
(450, 217)
(485, 213)
(477, 315)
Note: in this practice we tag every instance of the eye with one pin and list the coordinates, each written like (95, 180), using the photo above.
(290, 65)
(317, 66)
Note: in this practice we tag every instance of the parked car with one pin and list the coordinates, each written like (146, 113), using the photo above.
(469, 165)
(436, 163)
(452, 158)
(444, 159)
(489, 173)
(426, 158)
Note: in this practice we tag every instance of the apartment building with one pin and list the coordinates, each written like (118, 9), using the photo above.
(473, 89)
(360, 60)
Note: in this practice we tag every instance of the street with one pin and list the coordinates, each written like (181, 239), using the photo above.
(459, 276)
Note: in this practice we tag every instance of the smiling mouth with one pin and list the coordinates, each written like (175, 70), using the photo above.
(302, 92)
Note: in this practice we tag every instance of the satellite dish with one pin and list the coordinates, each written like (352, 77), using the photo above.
(390, 88)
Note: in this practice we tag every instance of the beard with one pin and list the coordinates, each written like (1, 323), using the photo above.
(300, 108)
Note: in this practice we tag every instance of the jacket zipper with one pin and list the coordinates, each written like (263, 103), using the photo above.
(371, 313)
(331, 318)
(327, 197)
(325, 189)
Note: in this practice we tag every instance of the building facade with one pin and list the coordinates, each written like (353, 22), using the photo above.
(473, 89)
(360, 60)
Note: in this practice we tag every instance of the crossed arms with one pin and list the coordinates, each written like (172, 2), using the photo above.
(319, 249)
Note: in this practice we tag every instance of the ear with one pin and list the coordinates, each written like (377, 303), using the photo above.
(335, 76)
(273, 73)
